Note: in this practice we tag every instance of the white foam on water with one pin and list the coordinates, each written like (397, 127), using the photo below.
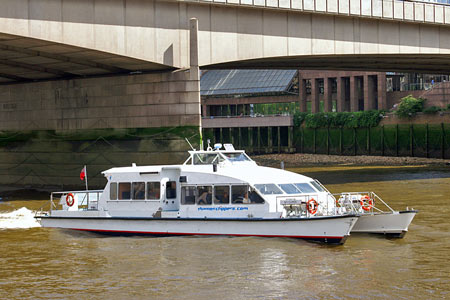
(20, 218)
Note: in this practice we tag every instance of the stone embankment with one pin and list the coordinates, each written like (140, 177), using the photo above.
(300, 159)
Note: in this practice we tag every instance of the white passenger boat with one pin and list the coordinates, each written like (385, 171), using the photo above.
(215, 192)
(376, 216)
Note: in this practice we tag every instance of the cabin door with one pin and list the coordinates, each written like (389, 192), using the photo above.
(170, 188)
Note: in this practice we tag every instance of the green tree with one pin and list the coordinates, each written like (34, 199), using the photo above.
(409, 106)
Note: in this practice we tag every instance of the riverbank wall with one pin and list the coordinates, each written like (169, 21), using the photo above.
(422, 136)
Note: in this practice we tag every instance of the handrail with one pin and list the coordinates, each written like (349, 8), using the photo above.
(304, 198)
(358, 195)
(409, 11)
(85, 192)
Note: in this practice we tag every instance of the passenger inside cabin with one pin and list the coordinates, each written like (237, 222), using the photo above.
(205, 196)
(153, 190)
(225, 197)
(240, 194)
(221, 194)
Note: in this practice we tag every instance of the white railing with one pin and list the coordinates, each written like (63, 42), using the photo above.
(354, 202)
(297, 206)
(411, 11)
(87, 200)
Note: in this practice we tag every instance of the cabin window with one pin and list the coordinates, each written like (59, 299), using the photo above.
(305, 188)
(113, 191)
(153, 190)
(239, 156)
(268, 189)
(206, 159)
(204, 195)
(124, 190)
(188, 195)
(317, 186)
(221, 194)
(171, 190)
(239, 194)
(138, 190)
(289, 188)
(255, 198)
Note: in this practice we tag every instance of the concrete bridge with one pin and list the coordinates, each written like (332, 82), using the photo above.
(111, 82)
(322, 34)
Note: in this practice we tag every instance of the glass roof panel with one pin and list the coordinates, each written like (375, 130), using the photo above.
(230, 82)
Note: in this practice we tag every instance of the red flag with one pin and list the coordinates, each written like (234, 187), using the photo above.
(83, 173)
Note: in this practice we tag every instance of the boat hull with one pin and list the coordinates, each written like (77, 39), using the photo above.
(332, 230)
(394, 224)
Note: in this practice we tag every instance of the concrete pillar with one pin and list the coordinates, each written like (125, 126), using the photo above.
(340, 97)
(315, 102)
(327, 101)
(259, 139)
(279, 139)
(354, 93)
(381, 86)
(204, 112)
(302, 94)
(193, 49)
(230, 130)
(239, 143)
(369, 92)
(250, 139)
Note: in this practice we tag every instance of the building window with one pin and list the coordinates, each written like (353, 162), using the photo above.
(153, 190)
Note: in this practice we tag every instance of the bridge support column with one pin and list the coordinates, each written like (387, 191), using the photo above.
(302, 93)
(315, 102)
(382, 102)
(340, 97)
(354, 94)
(327, 101)
(369, 92)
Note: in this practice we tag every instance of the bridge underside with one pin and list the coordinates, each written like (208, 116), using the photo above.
(420, 63)
(24, 59)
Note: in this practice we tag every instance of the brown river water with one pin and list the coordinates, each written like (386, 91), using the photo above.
(37, 263)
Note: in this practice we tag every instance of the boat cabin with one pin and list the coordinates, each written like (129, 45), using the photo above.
(210, 184)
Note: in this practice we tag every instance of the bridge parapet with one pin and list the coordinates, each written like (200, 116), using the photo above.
(408, 11)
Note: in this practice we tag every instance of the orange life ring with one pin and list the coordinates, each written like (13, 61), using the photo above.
(312, 206)
(366, 202)
(70, 199)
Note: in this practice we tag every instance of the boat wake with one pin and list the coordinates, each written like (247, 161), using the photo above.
(22, 218)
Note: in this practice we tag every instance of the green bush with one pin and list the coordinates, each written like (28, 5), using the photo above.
(299, 117)
(360, 119)
(409, 106)
(432, 110)
(448, 107)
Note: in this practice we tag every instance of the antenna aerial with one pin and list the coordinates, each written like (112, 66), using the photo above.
(193, 149)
